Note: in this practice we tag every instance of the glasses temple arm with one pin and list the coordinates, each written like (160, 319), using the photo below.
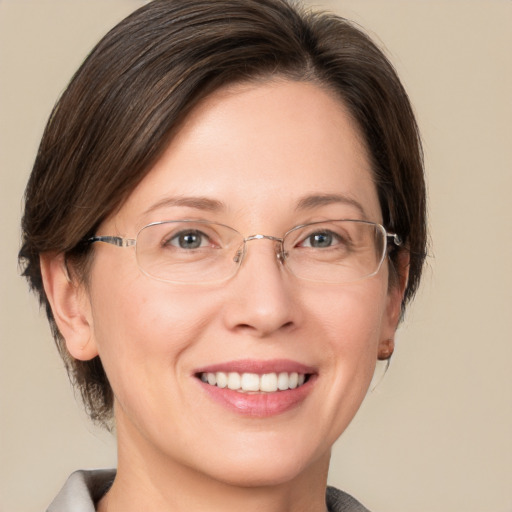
(396, 239)
(113, 240)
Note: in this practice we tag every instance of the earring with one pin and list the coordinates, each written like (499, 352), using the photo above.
(386, 351)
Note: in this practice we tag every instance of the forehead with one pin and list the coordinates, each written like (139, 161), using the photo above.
(256, 148)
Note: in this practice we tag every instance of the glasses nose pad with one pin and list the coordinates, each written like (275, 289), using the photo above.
(281, 253)
(239, 255)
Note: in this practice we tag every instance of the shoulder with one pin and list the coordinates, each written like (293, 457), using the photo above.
(339, 501)
(82, 490)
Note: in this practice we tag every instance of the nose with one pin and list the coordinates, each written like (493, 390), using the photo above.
(261, 294)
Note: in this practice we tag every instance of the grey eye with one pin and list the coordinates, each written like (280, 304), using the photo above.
(191, 239)
(320, 240)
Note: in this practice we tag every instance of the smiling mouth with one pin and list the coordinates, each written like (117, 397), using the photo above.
(253, 382)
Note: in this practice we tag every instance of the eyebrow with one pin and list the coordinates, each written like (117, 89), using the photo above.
(213, 205)
(197, 202)
(317, 200)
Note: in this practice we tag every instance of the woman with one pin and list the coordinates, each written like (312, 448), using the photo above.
(225, 221)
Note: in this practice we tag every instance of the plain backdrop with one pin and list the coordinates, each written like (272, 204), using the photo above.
(436, 434)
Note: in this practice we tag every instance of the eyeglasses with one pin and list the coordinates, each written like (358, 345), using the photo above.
(197, 251)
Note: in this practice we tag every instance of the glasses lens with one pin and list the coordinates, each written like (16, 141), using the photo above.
(335, 251)
(188, 251)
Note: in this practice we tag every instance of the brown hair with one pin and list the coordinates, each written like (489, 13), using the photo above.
(123, 105)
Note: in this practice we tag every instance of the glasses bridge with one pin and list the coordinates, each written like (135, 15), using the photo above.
(241, 252)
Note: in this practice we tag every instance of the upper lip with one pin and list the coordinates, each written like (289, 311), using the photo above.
(258, 366)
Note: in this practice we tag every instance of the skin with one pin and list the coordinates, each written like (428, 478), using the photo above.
(258, 149)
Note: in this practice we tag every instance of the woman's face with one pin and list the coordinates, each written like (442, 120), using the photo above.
(247, 157)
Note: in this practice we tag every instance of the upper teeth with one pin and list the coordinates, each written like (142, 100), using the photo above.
(268, 382)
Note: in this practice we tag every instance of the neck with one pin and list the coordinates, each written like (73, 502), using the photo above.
(151, 481)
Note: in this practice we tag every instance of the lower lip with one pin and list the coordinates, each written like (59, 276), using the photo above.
(260, 405)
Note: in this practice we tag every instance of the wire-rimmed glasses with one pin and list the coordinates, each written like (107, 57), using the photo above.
(200, 251)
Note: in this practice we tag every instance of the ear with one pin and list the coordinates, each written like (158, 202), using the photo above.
(70, 306)
(394, 307)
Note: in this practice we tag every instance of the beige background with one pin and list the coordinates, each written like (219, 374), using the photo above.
(436, 435)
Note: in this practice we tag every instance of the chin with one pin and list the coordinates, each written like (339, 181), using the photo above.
(269, 467)
(269, 474)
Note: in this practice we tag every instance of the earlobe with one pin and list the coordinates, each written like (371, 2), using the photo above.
(394, 307)
(70, 306)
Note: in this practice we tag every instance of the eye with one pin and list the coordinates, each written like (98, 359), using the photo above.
(189, 239)
(321, 240)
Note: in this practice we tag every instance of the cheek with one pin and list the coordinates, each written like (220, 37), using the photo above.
(145, 333)
(352, 316)
(144, 323)
(349, 328)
